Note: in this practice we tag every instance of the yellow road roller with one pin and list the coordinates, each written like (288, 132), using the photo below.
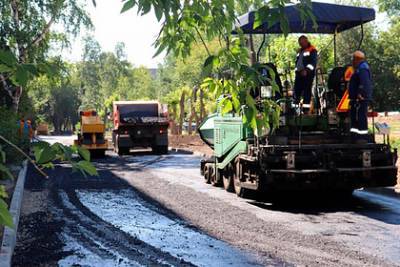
(92, 133)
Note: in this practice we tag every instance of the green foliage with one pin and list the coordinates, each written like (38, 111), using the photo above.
(18, 73)
(4, 171)
(189, 22)
(45, 154)
(5, 216)
(381, 49)
(392, 7)
(9, 127)
(103, 77)
(395, 143)
(25, 38)
(49, 93)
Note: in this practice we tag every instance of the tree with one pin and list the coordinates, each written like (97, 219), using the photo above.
(120, 51)
(25, 33)
(189, 22)
(88, 72)
(385, 63)
(392, 7)
(381, 49)
(56, 97)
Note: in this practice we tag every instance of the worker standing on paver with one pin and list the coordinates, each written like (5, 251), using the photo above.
(306, 63)
(360, 94)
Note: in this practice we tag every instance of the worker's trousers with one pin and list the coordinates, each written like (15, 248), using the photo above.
(302, 87)
(359, 119)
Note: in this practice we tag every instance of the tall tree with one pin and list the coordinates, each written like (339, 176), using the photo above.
(392, 7)
(56, 97)
(25, 32)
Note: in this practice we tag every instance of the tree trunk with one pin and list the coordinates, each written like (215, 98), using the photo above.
(173, 117)
(253, 56)
(22, 45)
(181, 113)
(202, 109)
(193, 113)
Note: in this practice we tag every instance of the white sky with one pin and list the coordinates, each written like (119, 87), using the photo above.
(137, 32)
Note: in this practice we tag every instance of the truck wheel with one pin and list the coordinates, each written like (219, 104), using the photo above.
(99, 153)
(102, 153)
(240, 192)
(227, 178)
(214, 181)
(161, 150)
(207, 173)
(122, 151)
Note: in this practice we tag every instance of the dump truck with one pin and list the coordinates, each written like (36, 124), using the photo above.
(139, 124)
(92, 133)
(308, 152)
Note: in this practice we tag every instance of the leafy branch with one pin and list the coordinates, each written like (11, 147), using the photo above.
(228, 71)
(45, 154)
(25, 155)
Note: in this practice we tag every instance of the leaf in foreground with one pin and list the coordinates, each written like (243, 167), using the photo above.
(5, 216)
(87, 167)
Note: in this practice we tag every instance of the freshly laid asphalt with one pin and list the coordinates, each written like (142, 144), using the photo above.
(150, 210)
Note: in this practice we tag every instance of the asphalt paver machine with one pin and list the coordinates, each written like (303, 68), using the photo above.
(308, 152)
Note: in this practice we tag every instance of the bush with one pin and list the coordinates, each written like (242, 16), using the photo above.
(9, 126)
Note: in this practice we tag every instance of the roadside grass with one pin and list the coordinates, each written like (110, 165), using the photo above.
(395, 143)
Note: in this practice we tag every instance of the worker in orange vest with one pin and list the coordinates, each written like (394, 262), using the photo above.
(306, 64)
(29, 129)
(21, 126)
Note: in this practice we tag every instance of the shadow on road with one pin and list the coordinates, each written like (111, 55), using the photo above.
(370, 206)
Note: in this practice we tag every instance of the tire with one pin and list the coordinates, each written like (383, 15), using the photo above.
(98, 153)
(207, 173)
(214, 181)
(160, 150)
(227, 178)
(163, 150)
(122, 151)
(240, 192)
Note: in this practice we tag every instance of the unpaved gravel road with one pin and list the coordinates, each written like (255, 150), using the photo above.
(147, 210)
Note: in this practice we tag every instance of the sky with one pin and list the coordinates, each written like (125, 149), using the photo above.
(137, 32)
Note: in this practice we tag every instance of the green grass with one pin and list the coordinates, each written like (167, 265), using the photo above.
(395, 143)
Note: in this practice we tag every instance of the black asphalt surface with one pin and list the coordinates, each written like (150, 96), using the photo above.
(149, 210)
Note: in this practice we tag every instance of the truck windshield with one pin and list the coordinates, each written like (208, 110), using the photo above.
(138, 110)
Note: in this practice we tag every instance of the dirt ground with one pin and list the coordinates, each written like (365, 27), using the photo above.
(394, 123)
(189, 142)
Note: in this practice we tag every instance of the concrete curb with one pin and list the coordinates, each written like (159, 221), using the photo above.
(10, 235)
